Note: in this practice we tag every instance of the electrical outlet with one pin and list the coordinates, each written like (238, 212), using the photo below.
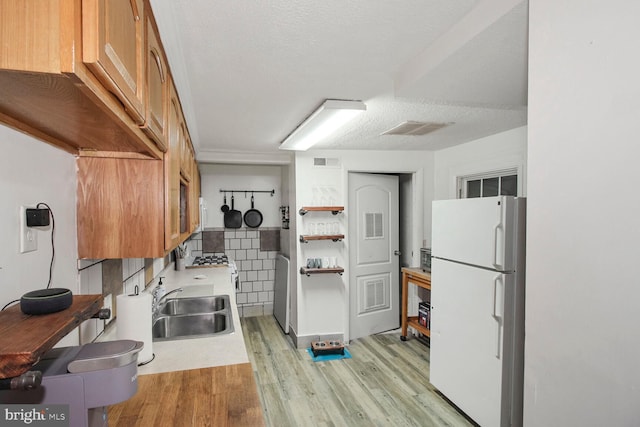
(28, 236)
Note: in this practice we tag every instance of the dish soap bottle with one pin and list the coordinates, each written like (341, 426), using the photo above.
(159, 291)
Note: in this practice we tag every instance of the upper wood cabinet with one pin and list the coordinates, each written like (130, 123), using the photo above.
(91, 77)
(194, 191)
(113, 48)
(157, 89)
(186, 154)
(172, 172)
(49, 92)
(120, 208)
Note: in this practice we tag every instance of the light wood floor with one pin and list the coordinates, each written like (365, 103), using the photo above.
(385, 383)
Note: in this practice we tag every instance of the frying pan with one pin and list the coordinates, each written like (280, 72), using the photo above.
(253, 217)
(225, 207)
(232, 218)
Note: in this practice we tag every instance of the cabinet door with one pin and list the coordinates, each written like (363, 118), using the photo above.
(156, 94)
(119, 208)
(172, 173)
(113, 48)
(186, 155)
(194, 190)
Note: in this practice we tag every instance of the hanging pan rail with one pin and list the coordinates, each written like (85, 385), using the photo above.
(272, 192)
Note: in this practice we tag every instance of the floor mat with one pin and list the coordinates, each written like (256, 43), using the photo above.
(327, 357)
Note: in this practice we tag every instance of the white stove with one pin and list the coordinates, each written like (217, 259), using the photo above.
(209, 261)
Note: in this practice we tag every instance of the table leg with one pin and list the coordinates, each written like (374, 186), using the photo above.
(405, 301)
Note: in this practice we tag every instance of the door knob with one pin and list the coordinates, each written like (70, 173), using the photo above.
(397, 252)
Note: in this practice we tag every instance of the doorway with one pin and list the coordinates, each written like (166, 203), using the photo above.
(381, 242)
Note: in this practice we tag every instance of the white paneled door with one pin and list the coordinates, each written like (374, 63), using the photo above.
(374, 286)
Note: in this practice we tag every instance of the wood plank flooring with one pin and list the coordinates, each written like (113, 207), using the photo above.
(385, 383)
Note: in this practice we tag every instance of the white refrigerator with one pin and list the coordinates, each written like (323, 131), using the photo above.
(477, 306)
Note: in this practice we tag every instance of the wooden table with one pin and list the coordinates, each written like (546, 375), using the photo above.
(415, 276)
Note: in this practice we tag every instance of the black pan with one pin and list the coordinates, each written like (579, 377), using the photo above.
(253, 217)
(225, 207)
(232, 218)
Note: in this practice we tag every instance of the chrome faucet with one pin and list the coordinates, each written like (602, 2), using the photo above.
(156, 303)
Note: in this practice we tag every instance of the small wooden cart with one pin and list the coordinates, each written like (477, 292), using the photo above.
(421, 279)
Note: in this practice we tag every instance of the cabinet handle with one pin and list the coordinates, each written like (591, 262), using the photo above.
(134, 9)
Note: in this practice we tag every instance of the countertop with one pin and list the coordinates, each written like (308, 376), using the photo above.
(194, 353)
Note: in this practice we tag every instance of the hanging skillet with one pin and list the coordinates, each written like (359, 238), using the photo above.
(225, 207)
(232, 218)
(253, 217)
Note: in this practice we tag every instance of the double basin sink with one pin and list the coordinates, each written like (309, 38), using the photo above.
(193, 317)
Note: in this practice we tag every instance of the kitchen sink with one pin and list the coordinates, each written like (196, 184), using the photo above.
(185, 326)
(195, 305)
(193, 317)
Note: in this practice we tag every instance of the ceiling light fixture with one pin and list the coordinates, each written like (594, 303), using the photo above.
(331, 115)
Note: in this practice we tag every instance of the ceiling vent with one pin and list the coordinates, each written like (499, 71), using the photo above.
(415, 128)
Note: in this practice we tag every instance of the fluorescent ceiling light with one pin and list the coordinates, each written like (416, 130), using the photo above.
(331, 115)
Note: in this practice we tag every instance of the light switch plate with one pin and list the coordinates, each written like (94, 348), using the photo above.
(28, 236)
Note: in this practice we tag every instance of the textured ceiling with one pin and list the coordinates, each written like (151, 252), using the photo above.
(249, 72)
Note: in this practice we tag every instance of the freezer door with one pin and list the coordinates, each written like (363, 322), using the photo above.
(468, 361)
(476, 231)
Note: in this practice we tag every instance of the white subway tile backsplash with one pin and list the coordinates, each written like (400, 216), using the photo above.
(256, 268)
(242, 276)
(241, 298)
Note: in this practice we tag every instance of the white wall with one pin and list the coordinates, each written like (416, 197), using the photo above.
(582, 361)
(323, 300)
(32, 172)
(215, 177)
(500, 151)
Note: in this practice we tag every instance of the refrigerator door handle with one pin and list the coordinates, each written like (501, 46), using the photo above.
(496, 230)
(496, 316)
(495, 245)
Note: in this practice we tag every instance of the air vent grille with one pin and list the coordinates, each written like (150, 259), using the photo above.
(326, 162)
(415, 128)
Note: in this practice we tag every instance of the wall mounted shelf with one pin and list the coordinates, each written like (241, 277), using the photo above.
(333, 209)
(305, 238)
(310, 271)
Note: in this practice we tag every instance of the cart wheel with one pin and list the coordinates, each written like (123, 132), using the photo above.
(403, 338)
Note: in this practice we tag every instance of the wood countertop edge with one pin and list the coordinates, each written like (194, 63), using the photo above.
(25, 338)
(221, 395)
